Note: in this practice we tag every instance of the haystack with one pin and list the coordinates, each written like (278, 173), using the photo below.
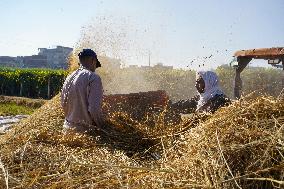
(241, 146)
(37, 154)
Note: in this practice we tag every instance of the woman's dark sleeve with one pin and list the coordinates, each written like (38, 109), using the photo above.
(218, 102)
(185, 106)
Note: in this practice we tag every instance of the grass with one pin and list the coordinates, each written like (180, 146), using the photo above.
(19, 105)
(14, 109)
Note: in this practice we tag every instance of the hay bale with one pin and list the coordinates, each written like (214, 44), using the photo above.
(241, 145)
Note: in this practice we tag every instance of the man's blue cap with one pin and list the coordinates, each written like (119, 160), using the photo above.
(91, 53)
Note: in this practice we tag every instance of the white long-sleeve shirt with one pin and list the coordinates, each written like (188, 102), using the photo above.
(81, 100)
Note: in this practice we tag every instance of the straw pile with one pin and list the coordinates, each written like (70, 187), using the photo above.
(241, 146)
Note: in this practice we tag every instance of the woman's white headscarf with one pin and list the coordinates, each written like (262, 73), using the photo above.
(211, 87)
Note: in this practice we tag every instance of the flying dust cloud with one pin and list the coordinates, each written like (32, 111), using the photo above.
(115, 40)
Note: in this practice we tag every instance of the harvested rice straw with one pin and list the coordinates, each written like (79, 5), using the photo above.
(38, 155)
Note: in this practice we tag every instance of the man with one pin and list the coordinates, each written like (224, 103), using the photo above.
(82, 93)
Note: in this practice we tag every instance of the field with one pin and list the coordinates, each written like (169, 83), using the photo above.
(240, 146)
(154, 129)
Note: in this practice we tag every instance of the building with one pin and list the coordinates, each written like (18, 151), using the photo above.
(133, 67)
(34, 61)
(54, 58)
(57, 58)
(8, 61)
(160, 66)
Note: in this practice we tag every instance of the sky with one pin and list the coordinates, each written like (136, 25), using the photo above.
(180, 33)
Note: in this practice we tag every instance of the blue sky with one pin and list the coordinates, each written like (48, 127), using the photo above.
(176, 32)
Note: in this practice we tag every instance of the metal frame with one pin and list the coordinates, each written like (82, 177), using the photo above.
(245, 56)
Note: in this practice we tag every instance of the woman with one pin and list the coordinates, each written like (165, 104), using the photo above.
(211, 97)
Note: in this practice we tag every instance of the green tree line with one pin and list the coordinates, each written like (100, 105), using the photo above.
(32, 83)
(179, 84)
